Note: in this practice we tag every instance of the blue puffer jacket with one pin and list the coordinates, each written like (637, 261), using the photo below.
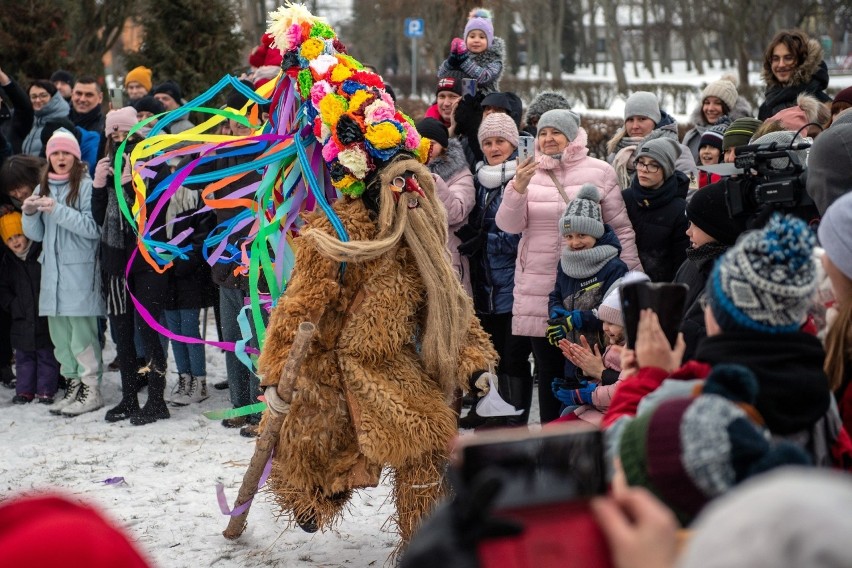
(492, 269)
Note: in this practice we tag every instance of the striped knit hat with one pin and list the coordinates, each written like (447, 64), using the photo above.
(583, 214)
(740, 132)
(714, 136)
(688, 450)
(765, 281)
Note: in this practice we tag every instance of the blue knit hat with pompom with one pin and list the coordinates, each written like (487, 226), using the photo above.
(765, 281)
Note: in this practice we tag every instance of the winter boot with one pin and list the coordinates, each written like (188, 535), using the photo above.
(155, 408)
(129, 404)
(7, 377)
(520, 396)
(88, 399)
(472, 420)
(198, 389)
(72, 388)
(180, 397)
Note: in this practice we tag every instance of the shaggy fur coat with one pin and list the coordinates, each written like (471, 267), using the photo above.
(363, 399)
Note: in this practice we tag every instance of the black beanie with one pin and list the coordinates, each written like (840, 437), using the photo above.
(434, 130)
(148, 104)
(168, 88)
(236, 100)
(708, 211)
(62, 75)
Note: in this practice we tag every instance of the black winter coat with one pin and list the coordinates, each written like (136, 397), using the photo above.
(20, 282)
(190, 282)
(694, 272)
(659, 220)
(492, 268)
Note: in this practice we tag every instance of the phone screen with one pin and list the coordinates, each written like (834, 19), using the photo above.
(562, 465)
(666, 299)
(526, 148)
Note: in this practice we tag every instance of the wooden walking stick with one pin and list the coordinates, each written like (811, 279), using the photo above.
(269, 437)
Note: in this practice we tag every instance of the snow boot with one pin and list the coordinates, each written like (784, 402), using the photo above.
(129, 404)
(88, 400)
(155, 407)
(198, 389)
(72, 387)
(180, 397)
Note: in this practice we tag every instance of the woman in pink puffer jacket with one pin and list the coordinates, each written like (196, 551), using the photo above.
(532, 205)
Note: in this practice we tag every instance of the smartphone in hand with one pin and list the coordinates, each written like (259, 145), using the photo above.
(469, 87)
(666, 299)
(116, 98)
(526, 148)
(547, 479)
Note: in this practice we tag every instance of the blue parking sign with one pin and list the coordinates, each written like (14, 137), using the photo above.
(414, 27)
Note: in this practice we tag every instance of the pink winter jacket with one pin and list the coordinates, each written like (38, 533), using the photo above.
(458, 196)
(536, 214)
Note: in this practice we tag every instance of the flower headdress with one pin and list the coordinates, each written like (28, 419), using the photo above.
(354, 117)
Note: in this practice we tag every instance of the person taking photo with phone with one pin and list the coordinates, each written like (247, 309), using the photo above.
(756, 300)
(533, 203)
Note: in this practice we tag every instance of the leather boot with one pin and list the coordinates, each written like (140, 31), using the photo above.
(129, 404)
(155, 407)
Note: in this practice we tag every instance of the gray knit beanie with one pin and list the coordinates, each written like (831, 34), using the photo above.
(664, 151)
(835, 235)
(545, 101)
(829, 164)
(782, 139)
(563, 120)
(583, 214)
(643, 103)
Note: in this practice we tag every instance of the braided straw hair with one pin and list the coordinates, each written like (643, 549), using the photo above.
(424, 230)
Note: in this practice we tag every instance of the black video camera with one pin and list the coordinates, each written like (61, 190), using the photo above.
(773, 177)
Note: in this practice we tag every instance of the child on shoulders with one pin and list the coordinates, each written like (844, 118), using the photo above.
(479, 55)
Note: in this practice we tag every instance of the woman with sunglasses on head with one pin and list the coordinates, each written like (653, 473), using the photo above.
(33, 109)
(656, 205)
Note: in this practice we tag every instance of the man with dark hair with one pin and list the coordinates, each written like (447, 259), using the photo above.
(86, 100)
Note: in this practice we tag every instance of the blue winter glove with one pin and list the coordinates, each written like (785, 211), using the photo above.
(574, 397)
(557, 311)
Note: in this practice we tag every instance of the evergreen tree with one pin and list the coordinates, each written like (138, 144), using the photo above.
(192, 42)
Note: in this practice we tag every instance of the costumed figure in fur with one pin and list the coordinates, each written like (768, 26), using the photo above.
(396, 334)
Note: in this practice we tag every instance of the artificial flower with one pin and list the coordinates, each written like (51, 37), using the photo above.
(355, 160)
(340, 73)
(306, 81)
(322, 30)
(359, 99)
(348, 131)
(378, 111)
(331, 107)
(322, 64)
(320, 90)
(312, 48)
(330, 151)
(384, 135)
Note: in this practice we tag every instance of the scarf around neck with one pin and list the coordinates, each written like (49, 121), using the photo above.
(491, 177)
(587, 262)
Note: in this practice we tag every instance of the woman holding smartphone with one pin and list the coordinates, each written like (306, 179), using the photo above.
(492, 253)
(532, 205)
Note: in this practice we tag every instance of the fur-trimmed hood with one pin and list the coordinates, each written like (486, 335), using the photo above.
(577, 149)
(813, 67)
(451, 162)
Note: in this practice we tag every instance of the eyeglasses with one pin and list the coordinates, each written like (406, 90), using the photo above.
(39, 96)
(649, 167)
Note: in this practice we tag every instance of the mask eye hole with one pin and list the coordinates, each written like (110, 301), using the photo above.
(398, 182)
